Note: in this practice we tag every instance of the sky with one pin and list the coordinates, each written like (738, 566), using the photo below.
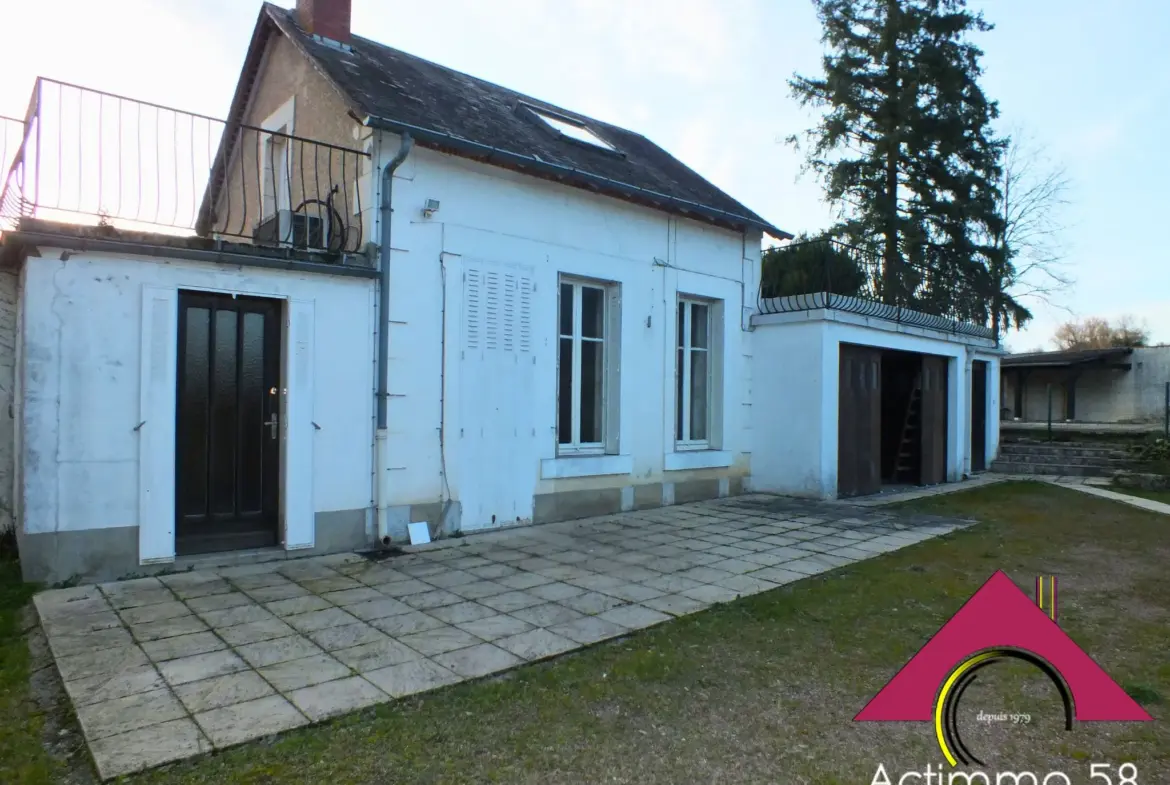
(1087, 82)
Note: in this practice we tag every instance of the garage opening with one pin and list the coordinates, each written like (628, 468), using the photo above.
(892, 420)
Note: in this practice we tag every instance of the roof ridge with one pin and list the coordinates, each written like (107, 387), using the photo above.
(476, 118)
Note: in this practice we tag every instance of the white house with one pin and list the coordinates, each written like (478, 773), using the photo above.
(415, 295)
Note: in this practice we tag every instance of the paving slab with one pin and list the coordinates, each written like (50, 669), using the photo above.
(105, 687)
(476, 661)
(536, 644)
(336, 697)
(294, 674)
(182, 646)
(253, 719)
(252, 650)
(200, 666)
(220, 691)
(346, 636)
(148, 747)
(492, 627)
(270, 652)
(440, 640)
(132, 712)
(375, 655)
(411, 678)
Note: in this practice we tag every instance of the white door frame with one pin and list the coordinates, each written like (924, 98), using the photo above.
(157, 407)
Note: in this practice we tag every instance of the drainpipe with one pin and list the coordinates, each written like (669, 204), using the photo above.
(382, 486)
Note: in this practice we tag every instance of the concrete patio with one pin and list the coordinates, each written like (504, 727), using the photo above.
(160, 669)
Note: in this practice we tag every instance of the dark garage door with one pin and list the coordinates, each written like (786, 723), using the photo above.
(859, 421)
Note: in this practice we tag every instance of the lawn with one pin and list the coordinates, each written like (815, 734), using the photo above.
(763, 689)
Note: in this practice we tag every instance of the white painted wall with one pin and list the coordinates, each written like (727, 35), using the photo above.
(795, 411)
(491, 218)
(9, 287)
(791, 368)
(83, 375)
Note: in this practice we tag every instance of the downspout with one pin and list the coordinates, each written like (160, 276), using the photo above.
(382, 486)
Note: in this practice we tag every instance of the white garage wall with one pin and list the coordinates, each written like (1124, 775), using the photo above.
(796, 377)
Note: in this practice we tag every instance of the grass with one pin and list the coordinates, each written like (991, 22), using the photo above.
(764, 689)
(22, 759)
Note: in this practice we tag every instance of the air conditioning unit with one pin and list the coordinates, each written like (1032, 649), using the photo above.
(292, 230)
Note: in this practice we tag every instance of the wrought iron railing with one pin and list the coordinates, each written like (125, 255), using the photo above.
(828, 274)
(90, 157)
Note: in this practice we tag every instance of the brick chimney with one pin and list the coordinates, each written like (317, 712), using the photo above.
(326, 18)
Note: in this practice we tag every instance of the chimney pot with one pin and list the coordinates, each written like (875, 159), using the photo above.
(326, 18)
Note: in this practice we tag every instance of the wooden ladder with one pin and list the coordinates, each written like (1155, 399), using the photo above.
(911, 428)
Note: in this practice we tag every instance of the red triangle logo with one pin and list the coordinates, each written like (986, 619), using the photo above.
(1000, 616)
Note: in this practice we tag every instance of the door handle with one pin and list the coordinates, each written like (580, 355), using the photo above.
(273, 424)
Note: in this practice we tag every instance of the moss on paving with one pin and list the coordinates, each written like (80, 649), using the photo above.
(764, 689)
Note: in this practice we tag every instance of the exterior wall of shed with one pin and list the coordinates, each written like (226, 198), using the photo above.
(795, 414)
(81, 405)
(490, 218)
(9, 296)
(320, 114)
(1103, 395)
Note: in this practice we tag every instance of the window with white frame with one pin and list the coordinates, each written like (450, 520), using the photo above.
(587, 367)
(694, 372)
(275, 187)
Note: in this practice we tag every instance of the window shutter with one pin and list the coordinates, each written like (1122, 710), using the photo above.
(472, 308)
(511, 305)
(716, 360)
(492, 309)
(525, 318)
(613, 368)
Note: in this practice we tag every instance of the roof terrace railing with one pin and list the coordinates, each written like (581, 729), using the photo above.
(828, 274)
(94, 158)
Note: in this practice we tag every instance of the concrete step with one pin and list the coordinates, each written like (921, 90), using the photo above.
(1081, 450)
(1071, 460)
(1064, 469)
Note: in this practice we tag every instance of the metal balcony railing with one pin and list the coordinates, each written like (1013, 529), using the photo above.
(827, 274)
(93, 158)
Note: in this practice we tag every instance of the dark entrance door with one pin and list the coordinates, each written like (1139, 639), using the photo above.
(859, 433)
(934, 419)
(227, 434)
(978, 416)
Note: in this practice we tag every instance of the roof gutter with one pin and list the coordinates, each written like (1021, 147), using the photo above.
(381, 443)
(427, 135)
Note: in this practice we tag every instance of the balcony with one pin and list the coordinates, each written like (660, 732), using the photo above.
(830, 275)
(83, 158)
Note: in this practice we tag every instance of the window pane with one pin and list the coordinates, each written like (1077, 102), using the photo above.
(698, 395)
(592, 311)
(682, 327)
(194, 423)
(678, 393)
(698, 326)
(591, 379)
(225, 416)
(566, 309)
(565, 392)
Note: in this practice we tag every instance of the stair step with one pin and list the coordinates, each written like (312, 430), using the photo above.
(1071, 470)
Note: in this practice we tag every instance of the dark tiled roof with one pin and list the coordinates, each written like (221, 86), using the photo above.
(1064, 359)
(449, 110)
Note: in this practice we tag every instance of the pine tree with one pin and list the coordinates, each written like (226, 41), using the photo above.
(906, 149)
